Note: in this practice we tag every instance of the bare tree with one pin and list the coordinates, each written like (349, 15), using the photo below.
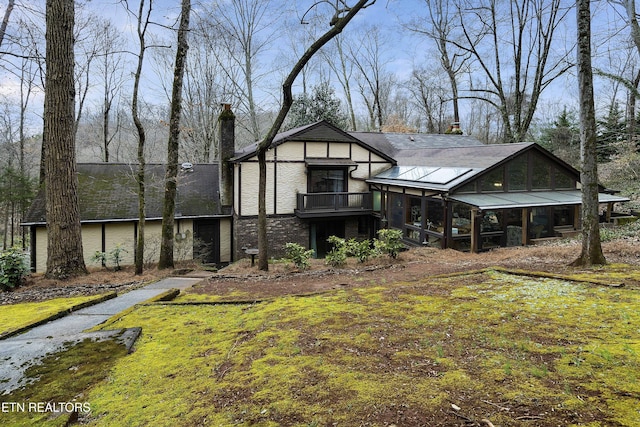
(591, 246)
(171, 176)
(439, 28)
(5, 19)
(430, 97)
(64, 236)
(111, 79)
(374, 80)
(343, 69)
(206, 84)
(512, 45)
(343, 14)
(143, 17)
(246, 29)
(632, 83)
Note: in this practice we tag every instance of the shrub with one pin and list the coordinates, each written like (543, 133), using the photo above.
(298, 255)
(337, 256)
(361, 250)
(13, 268)
(99, 257)
(115, 255)
(389, 242)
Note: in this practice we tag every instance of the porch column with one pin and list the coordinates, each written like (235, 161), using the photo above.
(475, 229)
(525, 226)
(609, 210)
(576, 215)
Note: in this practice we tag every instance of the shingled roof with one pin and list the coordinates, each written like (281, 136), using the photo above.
(414, 146)
(321, 131)
(108, 192)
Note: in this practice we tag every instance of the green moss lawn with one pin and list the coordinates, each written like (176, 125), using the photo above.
(17, 316)
(482, 348)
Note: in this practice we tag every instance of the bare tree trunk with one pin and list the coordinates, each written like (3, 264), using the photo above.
(591, 246)
(341, 18)
(140, 175)
(5, 20)
(170, 189)
(64, 237)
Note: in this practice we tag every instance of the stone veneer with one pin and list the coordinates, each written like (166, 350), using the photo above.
(281, 230)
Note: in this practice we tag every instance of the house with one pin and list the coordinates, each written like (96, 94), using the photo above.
(478, 197)
(108, 204)
(316, 187)
(447, 191)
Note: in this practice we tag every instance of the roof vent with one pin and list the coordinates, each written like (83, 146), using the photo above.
(187, 167)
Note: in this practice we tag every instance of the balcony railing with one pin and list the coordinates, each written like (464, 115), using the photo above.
(318, 204)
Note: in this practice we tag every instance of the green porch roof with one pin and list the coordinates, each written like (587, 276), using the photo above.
(529, 199)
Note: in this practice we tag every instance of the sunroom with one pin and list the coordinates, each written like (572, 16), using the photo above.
(482, 197)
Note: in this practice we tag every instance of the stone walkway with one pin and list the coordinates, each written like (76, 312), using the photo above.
(19, 352)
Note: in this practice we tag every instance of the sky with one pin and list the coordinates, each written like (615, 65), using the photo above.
(384, 14)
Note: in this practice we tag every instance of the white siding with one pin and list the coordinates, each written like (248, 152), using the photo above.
(91, 243)
(225, 240)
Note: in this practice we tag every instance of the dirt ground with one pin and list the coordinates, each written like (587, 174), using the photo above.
(284, 278)
(412, 265)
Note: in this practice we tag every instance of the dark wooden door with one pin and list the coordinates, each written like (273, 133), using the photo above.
(206, 241)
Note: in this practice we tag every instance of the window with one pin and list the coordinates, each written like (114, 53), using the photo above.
(435, 216)
(540, 173)
(563, 181)
(563, 216)
(493, 181)
(468, 188)
(461, 219)
(327, 180)
(517, 172)
(377, 201)
(396, 210)
(414, 211)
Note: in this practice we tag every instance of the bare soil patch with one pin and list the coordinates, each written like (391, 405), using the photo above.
(415, 264)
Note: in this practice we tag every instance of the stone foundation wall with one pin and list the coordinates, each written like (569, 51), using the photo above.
(281, 230)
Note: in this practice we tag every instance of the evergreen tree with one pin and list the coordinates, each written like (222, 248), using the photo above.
(322, 104)
(612, 130)
(16, 194)
(562, 138)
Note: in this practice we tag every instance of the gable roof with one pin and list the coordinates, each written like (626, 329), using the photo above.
(412, 145)
(107, 192)
(321, 131)
(475, 156)
(445, 169)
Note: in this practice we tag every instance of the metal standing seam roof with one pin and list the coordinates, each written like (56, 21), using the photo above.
(530, 199)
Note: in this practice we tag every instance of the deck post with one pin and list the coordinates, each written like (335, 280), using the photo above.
(525, 226)
(475, 229)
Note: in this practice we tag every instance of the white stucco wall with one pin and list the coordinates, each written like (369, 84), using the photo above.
(341, 150)
(290, 152)
(291, 174)
(292, 180)
(317, 149)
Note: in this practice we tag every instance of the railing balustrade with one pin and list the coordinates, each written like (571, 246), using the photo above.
(334, 202)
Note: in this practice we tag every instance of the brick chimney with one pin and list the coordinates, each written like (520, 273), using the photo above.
(227, 150)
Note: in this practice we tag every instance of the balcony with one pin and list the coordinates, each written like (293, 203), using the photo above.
(315, 205)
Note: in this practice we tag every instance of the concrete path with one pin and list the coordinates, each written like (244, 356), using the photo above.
(22, 351)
